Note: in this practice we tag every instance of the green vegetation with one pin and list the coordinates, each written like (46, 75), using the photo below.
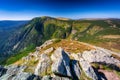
(18, 56)
(38, 30)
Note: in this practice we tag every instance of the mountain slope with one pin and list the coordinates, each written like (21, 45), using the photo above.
(7, 28)
(41, 29)
(33, 34)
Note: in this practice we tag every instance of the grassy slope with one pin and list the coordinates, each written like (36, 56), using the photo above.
(41, 29)
(96, 30)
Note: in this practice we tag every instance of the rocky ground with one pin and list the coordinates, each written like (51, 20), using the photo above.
(54, 60)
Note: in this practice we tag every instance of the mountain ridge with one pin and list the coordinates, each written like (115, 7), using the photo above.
(40, 29)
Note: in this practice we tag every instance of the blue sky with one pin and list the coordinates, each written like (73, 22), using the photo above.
(76, 9)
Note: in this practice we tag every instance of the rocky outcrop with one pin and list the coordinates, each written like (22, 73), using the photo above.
(45, 44)
(43, 66)
(63, 66)
(61, 63)
(87, 68)
(12, 71)
(25, 76)
(16, 73)
(100, 56)
(20, 76)
(97, 55)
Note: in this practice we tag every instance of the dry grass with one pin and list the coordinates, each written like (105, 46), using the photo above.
(116, 56)
(111, 45)
(111, 36)
(70, 46)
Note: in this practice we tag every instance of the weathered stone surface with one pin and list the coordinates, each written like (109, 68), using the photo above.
(16, 73)
(34, 55)
(47, 78)
(48, 50)
(46, 44)
(12, 69)
(25, 76)
(7, 77)
(60, 78)
(61, 63)
(11, 72)
(76, 56)
(75, 69)
(2, 70)
(100, 55)
(43, 65)
(89, 71)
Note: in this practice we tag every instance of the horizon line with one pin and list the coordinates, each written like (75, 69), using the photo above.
(89, 18)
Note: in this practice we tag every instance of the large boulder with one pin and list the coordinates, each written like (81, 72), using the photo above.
(43, 66)
(88, 70)
(100, 56)
(61, 63)
(75, 69)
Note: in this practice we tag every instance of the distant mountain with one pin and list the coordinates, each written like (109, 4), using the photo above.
(7, 28)
(6, 24)
(104, 33)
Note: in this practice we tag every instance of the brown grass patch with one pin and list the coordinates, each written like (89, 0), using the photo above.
(116, 56)
(69, 46)
(111, 36)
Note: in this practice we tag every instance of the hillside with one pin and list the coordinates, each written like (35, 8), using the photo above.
(7, 28)
(104, 33)
(64, 60)
(41, 29)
